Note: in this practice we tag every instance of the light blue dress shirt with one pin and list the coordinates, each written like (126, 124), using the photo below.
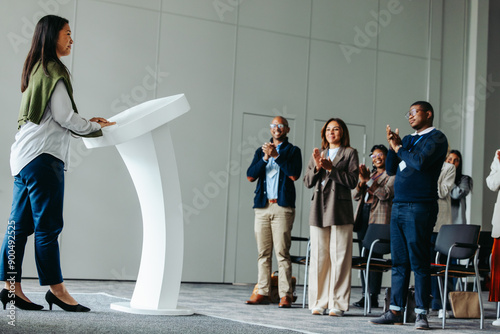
(272, 177)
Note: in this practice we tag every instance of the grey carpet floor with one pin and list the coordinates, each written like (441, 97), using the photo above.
(219, 308)
(104, 320)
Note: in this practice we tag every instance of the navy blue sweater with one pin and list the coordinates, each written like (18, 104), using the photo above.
(290, 163)
(424, 157)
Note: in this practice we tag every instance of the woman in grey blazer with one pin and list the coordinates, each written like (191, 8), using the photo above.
(332, 173)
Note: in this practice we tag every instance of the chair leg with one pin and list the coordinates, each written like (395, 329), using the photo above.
(405, 312)
(440, 286)
(441, 294)
(479, 294)
(366, 293)
(306, 271)
(304, 292)
(444, 296)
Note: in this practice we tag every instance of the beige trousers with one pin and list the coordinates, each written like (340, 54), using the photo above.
(330, 267)
(273, 227)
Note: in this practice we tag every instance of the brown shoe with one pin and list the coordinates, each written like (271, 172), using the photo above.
(258, 299)
(285, 302)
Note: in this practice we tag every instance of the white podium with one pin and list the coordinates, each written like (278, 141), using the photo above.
(158, 283)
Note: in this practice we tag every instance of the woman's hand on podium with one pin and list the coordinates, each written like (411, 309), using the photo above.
(102, 121)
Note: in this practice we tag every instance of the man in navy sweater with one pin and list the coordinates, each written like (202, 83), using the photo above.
(275, 166)
(416, 161)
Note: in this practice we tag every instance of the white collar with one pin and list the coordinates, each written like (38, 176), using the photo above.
(423, 132)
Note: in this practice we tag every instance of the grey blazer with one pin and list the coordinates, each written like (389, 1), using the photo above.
(331, 202)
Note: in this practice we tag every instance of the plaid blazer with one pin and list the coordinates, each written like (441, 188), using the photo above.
(380, 212)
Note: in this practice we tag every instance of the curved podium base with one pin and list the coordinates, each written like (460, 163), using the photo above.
(125, 307)
(148, 152)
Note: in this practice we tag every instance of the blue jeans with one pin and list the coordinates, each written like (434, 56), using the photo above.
(411, 230)
(37, 207)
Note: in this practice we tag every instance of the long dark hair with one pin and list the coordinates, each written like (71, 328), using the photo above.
(43, 47)
(344, 141)
(458, 170)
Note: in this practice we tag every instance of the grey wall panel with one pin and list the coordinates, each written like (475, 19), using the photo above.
(199, 60)
(291, 17)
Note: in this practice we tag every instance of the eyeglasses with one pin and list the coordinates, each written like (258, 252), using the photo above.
(280, 126)
(378, 155)
(412, 112)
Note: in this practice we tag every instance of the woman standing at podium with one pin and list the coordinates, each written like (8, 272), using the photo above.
(47, 119)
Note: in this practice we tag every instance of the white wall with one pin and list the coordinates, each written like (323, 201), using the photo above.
(240, 63)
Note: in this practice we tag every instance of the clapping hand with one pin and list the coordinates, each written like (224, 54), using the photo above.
(326, 163)
(364, 173)
(317, 158)
(393, 138)
(269, 150)
(320, 160)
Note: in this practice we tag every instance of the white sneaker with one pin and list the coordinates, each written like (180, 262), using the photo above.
(318, 311)
(496, 322)
(336, 312)
(440, 314)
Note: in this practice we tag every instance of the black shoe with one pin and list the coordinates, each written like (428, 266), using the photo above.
(51, 299)
(421, 322)
(388, 318)
(8, 297)
(361, 303)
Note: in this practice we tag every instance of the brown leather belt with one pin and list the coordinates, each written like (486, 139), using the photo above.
(273, 201)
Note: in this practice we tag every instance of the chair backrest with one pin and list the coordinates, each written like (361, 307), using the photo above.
(457, 233)
(374, 232)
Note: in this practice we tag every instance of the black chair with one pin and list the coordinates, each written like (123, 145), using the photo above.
(484, 257)
(302, 260)
(376, 241)
(458, 242)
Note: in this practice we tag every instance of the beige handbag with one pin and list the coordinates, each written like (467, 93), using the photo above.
(465, 304)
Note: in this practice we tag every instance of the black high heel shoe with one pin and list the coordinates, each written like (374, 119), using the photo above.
(6, 297)
(52, 299)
